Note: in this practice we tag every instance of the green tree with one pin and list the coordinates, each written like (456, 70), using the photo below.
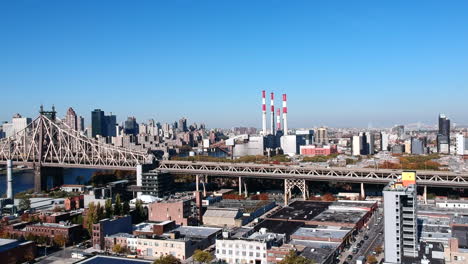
(109, 209)
(168, 259)
(25, 204)
(140, 211)
(293, 258)
(202, 256)
(99, 212)
(125, 208)
(118, 205)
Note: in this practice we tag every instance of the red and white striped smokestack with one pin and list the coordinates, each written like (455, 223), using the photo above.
(272, 104)
(285, 116)
(278, 119)
(264, 113)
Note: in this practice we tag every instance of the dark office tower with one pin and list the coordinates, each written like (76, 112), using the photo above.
(109, 122)
(131, 126)
(97, 123)
(443, 137)
(183, 124)
(80, 124)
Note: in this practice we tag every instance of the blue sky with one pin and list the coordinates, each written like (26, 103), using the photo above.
(342, 63)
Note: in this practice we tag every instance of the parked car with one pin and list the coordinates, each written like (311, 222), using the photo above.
(366, 237)
(349, 257)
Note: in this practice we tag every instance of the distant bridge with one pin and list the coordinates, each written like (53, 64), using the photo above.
(47, 142)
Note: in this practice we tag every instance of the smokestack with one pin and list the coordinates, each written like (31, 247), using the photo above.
(264, 113)
(285, 116)
(272, 103)
(278, 119)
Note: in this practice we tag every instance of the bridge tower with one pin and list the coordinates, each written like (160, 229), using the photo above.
(41, 173)
(289, 185)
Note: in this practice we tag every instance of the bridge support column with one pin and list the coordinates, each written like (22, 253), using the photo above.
(245, 190)
(203, 182)
(9, 179)
(197, 183)
(286, 193)
(240, 185)
(139, 178)
(425, 194)
(363, 191)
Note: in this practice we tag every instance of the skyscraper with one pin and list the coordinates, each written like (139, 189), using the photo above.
(383, 141)
(131, 126)
(80, 124)
(97, 123)
(183, 124)
(321, 135)
(443, 137)
(369, 144)
(71, 119)
(109, 123)
(400, 219)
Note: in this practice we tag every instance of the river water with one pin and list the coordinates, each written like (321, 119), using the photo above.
(24, 180)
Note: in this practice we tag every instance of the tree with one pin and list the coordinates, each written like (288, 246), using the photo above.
(60, 240)
(202, 256)
(25, 204)
(371, 259)
(378, 249)
(118, 205)
(125, 208)
(91, 217)
(108, 208)
(117, 248)
(140, 212)
(99, 212)
(293, 258)
(168, 259)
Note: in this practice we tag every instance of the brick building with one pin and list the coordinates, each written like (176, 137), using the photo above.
(179, 210)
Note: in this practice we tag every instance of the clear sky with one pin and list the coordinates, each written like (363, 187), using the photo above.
(342, 63)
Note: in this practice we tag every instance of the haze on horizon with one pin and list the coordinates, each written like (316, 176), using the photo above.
(342, 64)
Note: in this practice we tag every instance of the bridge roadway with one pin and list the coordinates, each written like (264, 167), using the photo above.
(311, 173)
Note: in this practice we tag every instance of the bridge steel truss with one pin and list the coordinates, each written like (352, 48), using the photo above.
(51, 143)
(311, 173)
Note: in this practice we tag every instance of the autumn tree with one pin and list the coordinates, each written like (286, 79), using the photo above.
(60, 240)
(372, 259)
(202, 256)
(91, 217)
(117, 248)
(99, 212)
(293, 258)
(168, 259)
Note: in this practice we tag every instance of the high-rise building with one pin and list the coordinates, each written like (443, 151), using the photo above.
(18, 123)
(321, 135)
(131, 126)
(356, 145)
(183, 124)
(97, 123)
(383, 141)
(71, 119)
(399, 130)
(80, 123)
(443, 137)
(400, 198)
(109, 123)
(419, 146)
(369, 147)
(462, 144)
(102, 125)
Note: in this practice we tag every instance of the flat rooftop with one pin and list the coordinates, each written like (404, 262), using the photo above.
(301, 210)
(113, 260)
(350, 217)
(279, 226)
(197, 231)
(7, 244)
(307, 232)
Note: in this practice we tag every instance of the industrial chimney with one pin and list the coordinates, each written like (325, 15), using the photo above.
(278, 119)
(285, 116)
(264, 113)
(272, 103)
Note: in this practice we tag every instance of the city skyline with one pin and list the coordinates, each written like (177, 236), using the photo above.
(344, 65)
